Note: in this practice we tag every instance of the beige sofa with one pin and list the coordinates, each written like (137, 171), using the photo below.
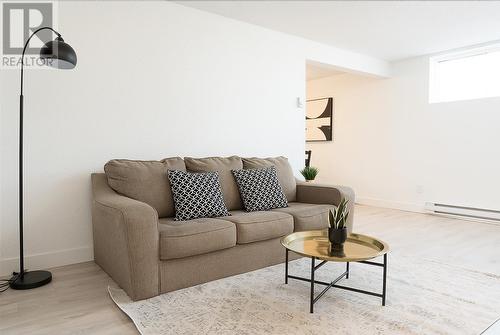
(138, 243)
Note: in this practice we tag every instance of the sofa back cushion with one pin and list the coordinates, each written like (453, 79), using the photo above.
(146, 181)
(223, 165)
(283, 169)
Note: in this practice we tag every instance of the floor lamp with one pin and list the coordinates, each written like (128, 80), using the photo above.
(60, 55)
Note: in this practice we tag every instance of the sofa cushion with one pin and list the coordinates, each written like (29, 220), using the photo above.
(260, 226)
(196, 195)
(223, 165)
(145, 181)
(307, 216)
(284, 171)
(180, 239)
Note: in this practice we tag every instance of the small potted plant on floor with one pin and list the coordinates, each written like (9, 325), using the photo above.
(337, 224)
(309, 173)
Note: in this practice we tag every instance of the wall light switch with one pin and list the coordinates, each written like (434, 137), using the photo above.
(300, 104)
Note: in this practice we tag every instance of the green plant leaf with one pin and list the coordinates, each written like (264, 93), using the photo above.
(341, 220)
(340, 214)
(309, 173)
(331, 219)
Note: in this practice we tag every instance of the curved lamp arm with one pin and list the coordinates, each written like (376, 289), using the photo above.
(26, 46)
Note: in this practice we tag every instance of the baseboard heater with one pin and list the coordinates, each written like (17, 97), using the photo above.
(472, 213)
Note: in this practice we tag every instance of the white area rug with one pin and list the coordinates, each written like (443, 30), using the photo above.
(424, 297)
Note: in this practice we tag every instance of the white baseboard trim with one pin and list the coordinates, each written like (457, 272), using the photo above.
(47, 260)
(403, 206)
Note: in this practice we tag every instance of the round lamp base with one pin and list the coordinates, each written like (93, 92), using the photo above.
(31, 279)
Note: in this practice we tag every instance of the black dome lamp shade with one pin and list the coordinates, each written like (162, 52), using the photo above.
(60, 55)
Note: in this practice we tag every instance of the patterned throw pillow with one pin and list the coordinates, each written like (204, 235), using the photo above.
(260, 189)
(196, 195)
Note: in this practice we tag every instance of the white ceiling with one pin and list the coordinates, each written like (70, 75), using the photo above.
(315, 70)
(389, 30)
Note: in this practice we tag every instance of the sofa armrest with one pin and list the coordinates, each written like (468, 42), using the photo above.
(126, 239)
(327, 194)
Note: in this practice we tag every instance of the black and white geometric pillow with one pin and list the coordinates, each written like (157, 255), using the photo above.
(196, 195)
(260, 189)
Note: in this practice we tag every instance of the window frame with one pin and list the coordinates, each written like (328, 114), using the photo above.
(462, 53)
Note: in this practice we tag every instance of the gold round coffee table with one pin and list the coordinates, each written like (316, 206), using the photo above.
(315, 244)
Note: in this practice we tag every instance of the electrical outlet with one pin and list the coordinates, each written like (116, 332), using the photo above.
(420, 189)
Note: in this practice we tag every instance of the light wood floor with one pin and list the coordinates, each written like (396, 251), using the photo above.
(77, 302)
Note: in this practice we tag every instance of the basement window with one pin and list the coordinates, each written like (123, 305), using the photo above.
(465, 75)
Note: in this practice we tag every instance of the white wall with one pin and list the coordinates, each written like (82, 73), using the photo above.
(154, 79)
(397, 150)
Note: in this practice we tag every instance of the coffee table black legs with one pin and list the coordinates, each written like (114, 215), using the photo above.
(384, 289)
(313, 268)
(286, 267)
(333, 283)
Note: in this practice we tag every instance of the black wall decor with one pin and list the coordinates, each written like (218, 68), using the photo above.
(319, 120)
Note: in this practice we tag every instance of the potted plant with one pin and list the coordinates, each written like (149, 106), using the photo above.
(337, 224)
(309, 173)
